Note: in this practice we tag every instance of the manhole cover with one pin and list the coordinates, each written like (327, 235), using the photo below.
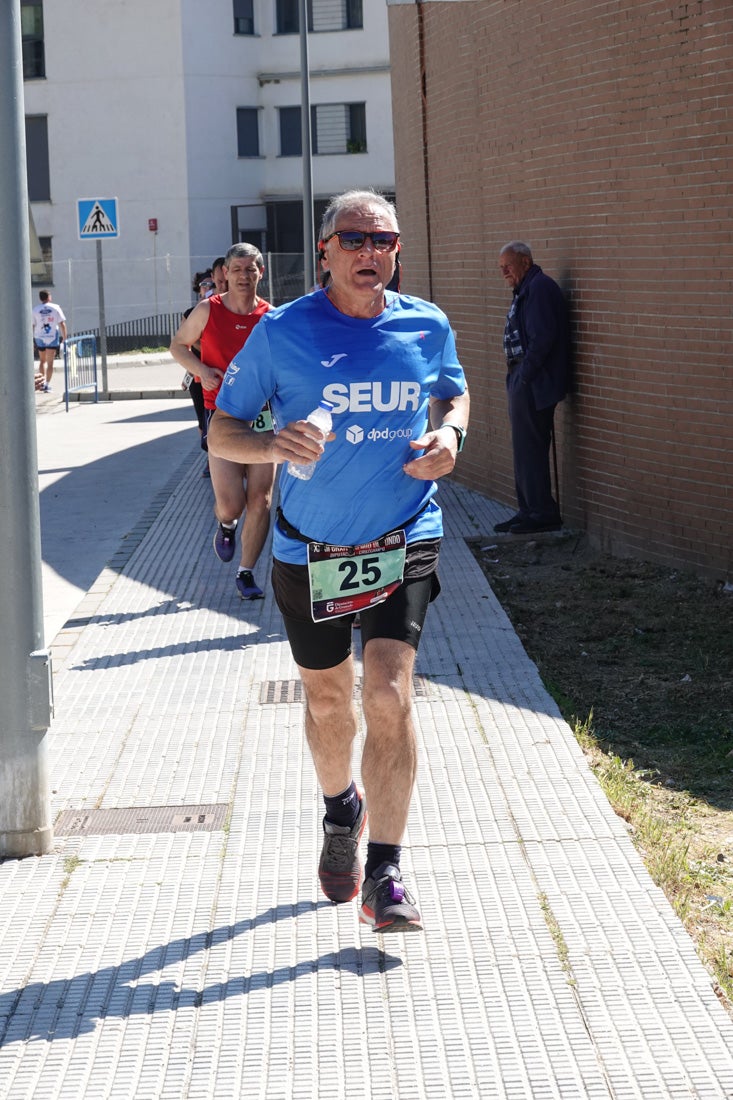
(141, 819)
(291, 691)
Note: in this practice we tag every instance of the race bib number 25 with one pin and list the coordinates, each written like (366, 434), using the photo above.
(347, 579)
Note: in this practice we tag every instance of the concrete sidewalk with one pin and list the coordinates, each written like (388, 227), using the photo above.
(175, 943)
(131, 376)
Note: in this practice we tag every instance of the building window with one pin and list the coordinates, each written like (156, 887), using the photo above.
(244, 18)
(339, 128)
(36, 143)
(323, 15)
(335, 15)
(31, 25)
(248, 132)
(335, 128)
(42, 269)
(287, 20)
(354, 15)
(291, 144)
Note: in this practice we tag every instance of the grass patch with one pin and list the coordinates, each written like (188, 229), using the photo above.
(70, 865)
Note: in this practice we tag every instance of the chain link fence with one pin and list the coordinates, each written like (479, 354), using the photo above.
(145, 298)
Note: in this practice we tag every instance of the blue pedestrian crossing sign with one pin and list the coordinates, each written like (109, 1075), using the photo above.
(97, 219)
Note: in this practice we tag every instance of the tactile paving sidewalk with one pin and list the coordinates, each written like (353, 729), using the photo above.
(198, 959)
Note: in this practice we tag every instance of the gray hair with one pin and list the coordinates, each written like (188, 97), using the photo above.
(517, 248)
(243, 251)
(348, 200)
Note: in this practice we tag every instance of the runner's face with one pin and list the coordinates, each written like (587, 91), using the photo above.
(243, 274)
(366, 271)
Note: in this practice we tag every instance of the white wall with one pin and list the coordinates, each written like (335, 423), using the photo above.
(141, 102)
(222, 70)
(112, 96)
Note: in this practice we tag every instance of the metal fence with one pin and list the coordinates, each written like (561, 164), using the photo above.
(146, 296)
(141, 333)
(80, 365)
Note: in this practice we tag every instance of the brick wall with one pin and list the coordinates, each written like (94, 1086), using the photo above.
(601, 134)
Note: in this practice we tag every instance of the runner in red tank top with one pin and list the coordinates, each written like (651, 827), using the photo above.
(221, 324)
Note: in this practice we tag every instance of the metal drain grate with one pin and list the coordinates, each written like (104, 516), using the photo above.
(291, 691)
(141, 819)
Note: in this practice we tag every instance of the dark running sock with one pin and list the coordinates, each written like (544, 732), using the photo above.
(381, 853)
(343, 809)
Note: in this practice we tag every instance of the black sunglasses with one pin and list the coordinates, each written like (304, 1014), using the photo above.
(351, 240)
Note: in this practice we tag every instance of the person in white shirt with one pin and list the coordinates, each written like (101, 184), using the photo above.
(49, 329)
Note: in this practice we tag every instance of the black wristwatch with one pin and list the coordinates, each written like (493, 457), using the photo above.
(460, 432)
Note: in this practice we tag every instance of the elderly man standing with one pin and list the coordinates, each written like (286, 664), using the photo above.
(363, 534)
(537, 349)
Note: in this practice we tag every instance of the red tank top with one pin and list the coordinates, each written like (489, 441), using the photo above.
(224, 335)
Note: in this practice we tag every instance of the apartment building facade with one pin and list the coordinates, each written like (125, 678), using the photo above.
(188, 114)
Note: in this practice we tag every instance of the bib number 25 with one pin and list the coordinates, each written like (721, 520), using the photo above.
(359, 573)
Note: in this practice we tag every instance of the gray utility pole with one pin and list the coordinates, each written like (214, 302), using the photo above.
(307, 153)
(25, 670)
(102, 320)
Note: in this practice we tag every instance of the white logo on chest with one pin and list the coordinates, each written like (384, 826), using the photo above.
(361, 397)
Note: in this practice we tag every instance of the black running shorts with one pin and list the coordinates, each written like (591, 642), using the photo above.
(400, 616)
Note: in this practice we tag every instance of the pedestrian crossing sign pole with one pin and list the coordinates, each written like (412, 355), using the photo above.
(97, 219)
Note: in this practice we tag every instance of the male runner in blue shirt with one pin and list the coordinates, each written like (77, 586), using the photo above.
(363, 534)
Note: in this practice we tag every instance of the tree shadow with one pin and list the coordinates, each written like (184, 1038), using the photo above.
(88, 512)
(68, 1007)
(226, 643)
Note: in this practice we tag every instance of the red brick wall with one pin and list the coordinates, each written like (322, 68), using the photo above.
(602, 134)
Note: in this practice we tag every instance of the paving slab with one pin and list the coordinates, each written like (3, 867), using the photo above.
(162, 959)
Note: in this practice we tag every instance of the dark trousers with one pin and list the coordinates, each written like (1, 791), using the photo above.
(196, 391)
(531, 436)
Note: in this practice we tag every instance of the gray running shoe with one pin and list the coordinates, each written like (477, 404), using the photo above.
(385, 904)
(339, 869)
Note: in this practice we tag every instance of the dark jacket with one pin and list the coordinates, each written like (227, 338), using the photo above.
(543, 321)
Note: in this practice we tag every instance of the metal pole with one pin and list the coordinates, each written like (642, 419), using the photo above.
(102, 318)
(171, 327)
(155, 277)
(554, 463)
(25, 668)
(309, 251)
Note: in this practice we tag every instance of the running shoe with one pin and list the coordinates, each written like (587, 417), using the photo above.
(246, 586)
(225, 539)
(386, 905)
(339, 870)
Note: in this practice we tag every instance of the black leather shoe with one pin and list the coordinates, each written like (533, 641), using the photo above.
(530, 527)
(502, 528)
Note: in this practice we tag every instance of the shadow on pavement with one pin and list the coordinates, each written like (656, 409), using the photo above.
(66, 1008)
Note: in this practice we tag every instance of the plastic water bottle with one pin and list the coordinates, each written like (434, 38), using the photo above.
(321, 418)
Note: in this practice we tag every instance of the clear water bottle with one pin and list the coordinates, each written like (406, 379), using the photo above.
(321, 418)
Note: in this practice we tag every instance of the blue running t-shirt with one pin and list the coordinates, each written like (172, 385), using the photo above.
(379, 373)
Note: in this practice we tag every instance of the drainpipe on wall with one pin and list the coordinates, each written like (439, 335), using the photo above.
(425, 157)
